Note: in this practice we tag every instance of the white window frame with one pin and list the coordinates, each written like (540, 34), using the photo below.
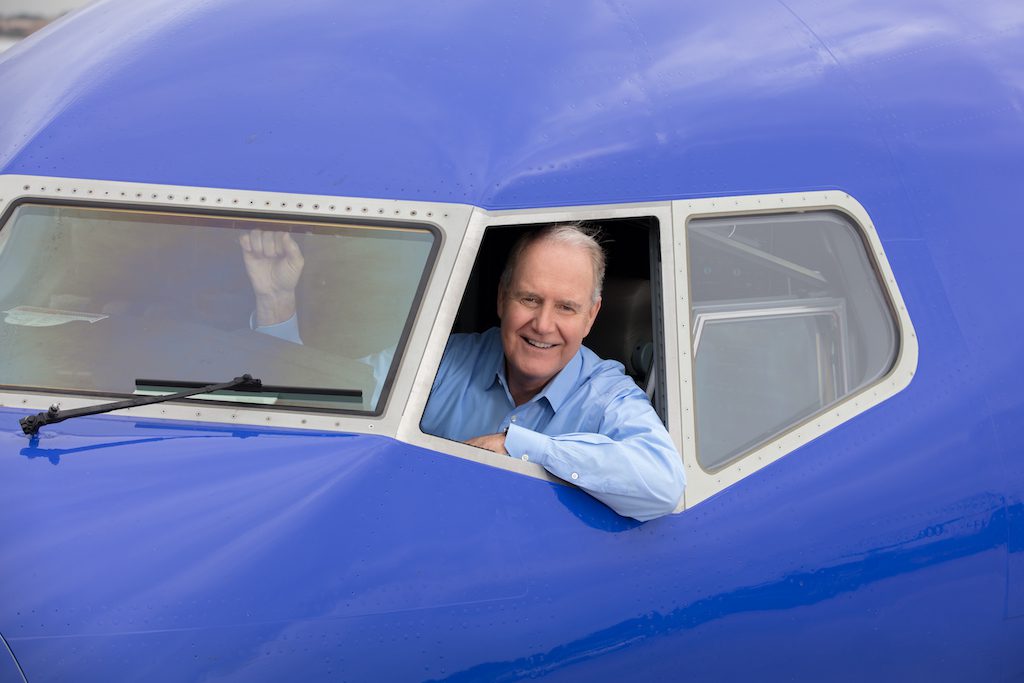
(701, 484)
(450, 220)
(482, 219)
(462, 228)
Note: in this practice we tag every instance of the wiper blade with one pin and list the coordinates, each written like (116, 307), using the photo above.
(162, 384)
(31, 424)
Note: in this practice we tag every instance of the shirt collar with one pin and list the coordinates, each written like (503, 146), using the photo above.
(556, 391)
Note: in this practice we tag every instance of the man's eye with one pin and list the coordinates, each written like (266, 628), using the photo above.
(529, 300)
(567, 308)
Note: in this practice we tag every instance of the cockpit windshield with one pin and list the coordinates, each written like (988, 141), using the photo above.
(92, 299)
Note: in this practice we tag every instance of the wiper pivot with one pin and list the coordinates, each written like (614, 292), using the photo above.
(31, 424)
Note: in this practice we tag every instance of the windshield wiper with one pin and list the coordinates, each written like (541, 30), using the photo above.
(31, 424)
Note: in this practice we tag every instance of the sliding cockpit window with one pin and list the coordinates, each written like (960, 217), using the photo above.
(789, 318)
(94, 299)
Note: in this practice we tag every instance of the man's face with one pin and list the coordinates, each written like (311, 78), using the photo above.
(546, 312)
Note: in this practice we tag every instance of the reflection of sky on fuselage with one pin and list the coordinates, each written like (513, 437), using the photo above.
(587, 102)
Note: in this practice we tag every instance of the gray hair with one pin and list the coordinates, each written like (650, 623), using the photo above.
(572, 234)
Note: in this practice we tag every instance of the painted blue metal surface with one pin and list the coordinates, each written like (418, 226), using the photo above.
(890, 548)
(248, 554)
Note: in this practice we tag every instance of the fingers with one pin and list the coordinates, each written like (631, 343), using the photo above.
(270, 244)
(263, 243)
(290, 248)
(491, 442)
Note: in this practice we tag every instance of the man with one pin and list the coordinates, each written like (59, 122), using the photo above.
(529, 389)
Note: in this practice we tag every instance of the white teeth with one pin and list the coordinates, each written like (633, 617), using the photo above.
(538, 344)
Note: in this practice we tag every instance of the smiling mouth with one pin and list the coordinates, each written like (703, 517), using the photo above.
(537, 344)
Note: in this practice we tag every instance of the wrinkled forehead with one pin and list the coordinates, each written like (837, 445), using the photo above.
(557, 264)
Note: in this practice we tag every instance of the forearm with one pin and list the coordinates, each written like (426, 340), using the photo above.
(639, 475)
(274, 309)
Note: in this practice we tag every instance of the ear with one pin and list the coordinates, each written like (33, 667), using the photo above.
(593, 315)
(501, 300)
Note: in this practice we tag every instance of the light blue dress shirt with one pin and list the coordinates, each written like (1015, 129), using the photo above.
(591, 425)
(379, 362)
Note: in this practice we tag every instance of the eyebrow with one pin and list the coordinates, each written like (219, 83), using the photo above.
(570, 303)
(561, 302)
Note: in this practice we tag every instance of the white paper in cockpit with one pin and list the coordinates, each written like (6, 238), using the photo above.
(33, 316)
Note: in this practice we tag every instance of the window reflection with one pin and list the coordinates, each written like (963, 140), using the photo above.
(788, 319)
(93, 299)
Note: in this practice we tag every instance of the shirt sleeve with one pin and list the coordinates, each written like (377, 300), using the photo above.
(380, 363)
(631, 465)
(287, 330)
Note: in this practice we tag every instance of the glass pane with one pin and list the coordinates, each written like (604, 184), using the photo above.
(93, 299)
(757, 375)
(788, 318)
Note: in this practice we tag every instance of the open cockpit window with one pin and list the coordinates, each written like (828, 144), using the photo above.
(789, 317)
(93, 299)
(626, 329)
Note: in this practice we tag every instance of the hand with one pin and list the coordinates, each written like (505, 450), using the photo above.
(492, 442)
(274, 263)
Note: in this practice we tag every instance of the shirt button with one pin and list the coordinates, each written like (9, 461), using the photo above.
(526, 457)
(513, 418)
(575, 476)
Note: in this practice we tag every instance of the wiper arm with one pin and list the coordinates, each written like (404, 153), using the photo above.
(31, 424)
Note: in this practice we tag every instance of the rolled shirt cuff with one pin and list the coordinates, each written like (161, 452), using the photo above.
(527, 445)
(287, 330)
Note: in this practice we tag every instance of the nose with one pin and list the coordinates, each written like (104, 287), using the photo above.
(544, 320)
